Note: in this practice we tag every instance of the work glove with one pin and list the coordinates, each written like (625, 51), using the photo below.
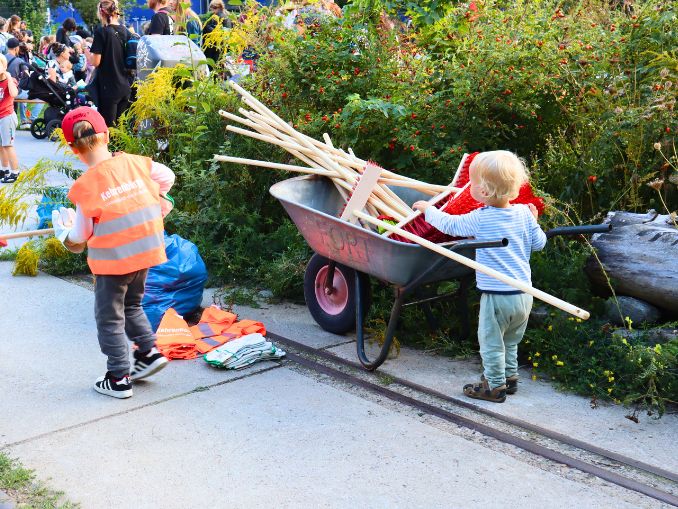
(63, 221)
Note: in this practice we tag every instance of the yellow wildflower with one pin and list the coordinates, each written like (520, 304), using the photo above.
(610, 379)
(657, 348)
(549, 328)
(535, 364)
(537, 354)
(591, 343)
(609, 390)
(560, 363)
(534, 378)
(554, 357)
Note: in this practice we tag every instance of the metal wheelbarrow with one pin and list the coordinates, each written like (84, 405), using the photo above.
(337, 277)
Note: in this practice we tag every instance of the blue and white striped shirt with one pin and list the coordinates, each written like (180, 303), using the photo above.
(516, 223)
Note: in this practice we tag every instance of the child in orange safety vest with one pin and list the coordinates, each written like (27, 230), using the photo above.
(119, 217)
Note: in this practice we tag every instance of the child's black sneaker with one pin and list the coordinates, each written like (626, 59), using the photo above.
(147, 363)
(10, 177)
(115, 387)
(483, 391)
(3, 174)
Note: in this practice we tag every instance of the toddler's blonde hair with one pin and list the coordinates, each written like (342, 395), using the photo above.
(84, 141)
(500, 173)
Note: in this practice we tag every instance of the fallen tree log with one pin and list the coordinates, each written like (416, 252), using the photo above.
(639, 256)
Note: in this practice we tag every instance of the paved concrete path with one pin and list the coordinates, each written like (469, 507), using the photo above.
(268, 436)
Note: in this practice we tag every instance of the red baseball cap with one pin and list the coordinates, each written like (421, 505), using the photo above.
(83, 114)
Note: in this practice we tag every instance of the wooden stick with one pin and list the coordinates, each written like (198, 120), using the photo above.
(515, 283)
(30, 233)
(276, 166)
(433, 200)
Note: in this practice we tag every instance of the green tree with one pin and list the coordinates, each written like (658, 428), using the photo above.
(34, 12)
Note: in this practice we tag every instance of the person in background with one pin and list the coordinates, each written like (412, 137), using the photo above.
(186, 21)
(18, 68)
(496, 178)
(80, 68)
(217, 18)
(14, 27)
(124, 238)
(64, 31)
(4, 36)
(8, 123)
(108, 56)
(23, 26)
(82, 32)
(162, 22)
(58, 53)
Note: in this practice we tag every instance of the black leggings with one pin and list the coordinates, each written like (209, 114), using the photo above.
(111, 109)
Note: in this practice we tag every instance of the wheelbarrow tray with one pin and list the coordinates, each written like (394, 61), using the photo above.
(313, 204)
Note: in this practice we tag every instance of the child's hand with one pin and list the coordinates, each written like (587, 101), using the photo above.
(421, 205)
(534, 210)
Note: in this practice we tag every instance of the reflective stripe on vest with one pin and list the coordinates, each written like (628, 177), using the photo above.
(142, 245)
(122, 223)
(211, 341)
(206, 329)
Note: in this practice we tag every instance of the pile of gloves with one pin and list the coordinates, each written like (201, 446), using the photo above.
(243, 352)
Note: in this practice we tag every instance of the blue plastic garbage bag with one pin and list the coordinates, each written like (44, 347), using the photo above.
(178, 283)
(52, 199)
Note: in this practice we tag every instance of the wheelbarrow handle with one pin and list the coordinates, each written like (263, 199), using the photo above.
(478, 244)
(579, 230)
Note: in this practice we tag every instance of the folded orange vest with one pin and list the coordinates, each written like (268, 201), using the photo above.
(176, 340)
(213, 322)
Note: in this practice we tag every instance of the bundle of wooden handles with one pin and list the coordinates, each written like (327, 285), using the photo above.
(345, 171)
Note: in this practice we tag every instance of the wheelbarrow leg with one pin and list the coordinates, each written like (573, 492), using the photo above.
(390, 330)
(462, 293)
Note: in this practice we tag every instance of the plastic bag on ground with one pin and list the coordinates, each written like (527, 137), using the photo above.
(177, 283)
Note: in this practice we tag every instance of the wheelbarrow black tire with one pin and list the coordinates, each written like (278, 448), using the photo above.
(338, 316)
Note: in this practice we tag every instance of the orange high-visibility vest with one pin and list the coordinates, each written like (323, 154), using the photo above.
(213, 322)
(124, 202)
(173, 337)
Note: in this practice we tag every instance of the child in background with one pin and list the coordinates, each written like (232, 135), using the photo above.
(67, 76)
(119, 218)
(496, 178)
(80, 68)
(9, 89)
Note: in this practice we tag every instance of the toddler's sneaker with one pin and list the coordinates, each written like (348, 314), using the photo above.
(482, 391)
(147, 363)
(3, 174)
(511, 383)
(115, 387)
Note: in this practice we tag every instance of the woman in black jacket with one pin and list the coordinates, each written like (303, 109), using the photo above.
(66, 28)
(108, 56)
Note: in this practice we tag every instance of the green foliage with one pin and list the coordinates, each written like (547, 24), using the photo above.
(33, 12)
(591, 360)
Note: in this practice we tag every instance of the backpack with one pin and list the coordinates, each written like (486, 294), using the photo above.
(129, 49)
(131, 52)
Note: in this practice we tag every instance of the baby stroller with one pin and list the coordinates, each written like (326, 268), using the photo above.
(60, 100)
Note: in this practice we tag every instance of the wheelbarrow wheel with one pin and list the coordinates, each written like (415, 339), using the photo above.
(334, 310)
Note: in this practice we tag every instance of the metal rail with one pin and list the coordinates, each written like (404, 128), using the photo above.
(524, 444)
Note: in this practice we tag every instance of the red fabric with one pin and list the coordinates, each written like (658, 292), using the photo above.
(462, 203)
(6, 101)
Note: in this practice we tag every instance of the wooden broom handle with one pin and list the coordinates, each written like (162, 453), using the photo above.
(515, 283)
(31, 233)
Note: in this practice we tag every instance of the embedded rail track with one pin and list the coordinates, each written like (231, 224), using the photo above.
(626, 472)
